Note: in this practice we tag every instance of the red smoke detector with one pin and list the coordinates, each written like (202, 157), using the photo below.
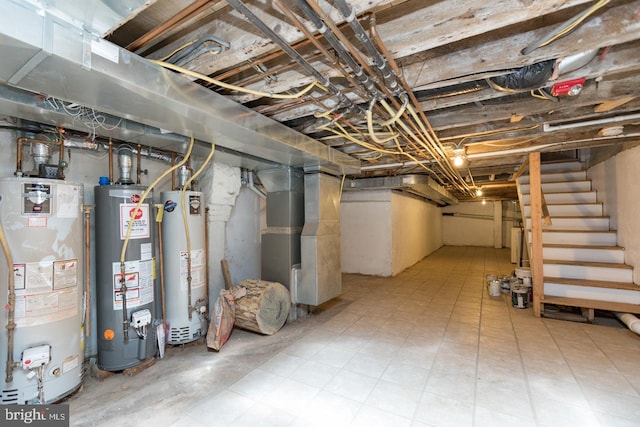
(568, 88)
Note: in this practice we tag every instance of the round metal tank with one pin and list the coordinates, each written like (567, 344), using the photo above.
(43, 224)
(121, 344)
(185, 320)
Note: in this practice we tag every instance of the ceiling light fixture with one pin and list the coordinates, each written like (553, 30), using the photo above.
(479, 192)
(458, 160)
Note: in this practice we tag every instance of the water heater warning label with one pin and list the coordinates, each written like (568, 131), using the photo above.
(45, 291)
(141, 227)
(138, 276)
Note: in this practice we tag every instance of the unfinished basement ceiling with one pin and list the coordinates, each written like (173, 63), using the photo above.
(402, 86)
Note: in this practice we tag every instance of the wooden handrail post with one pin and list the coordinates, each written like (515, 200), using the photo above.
(536, 233)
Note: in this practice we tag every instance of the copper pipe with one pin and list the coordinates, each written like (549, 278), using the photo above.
(346, 43)
(139, 161)
(173, 173)
(110, 161)
(315, 41)
(18, 171)
(249, 65)
(206, 254)
(161, 263)
(394, 66)
(87, 269)
(194, 9)
(61, 148)
(272, 71)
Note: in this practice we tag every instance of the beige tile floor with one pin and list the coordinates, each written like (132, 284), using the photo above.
(428, 347)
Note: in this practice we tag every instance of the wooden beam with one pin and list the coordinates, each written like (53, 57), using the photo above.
(613, 104)
(614, 28)
(536, 232)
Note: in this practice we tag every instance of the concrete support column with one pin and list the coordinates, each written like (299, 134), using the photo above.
(222, 183)
(497, 224)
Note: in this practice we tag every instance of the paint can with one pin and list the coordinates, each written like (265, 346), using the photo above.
(494, 288)
(522, 272)
(505, 284)
(520, 297)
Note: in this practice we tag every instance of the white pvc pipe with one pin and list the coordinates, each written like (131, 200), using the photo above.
(251, 185)
(632, 322)
(551, 128)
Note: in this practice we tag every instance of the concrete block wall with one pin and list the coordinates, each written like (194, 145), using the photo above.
(616, 182)
(384, 232)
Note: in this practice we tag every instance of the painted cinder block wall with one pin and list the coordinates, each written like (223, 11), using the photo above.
(384, 232)
(616, 181)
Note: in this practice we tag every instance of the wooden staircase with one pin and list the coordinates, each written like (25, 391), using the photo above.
(582, 265)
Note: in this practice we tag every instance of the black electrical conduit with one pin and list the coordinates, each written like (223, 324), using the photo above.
(240, 7)
(191, 52)
(381, 62)
(343, 54)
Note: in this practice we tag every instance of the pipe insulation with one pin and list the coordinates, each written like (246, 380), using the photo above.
(342, 52)
(379, 60)
(241, 8)
(632, 322)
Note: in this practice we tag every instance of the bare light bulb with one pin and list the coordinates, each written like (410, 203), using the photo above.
(479, 192)
(458, 161)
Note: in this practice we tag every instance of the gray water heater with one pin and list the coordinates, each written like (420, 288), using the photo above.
(186, 311)
(41, 359)
(126, 315)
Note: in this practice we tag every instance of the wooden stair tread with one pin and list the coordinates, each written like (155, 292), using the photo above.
(588, 264)
(562, 192)
(588, 303)
(563, 181)
(574, 204)
(557, 230)
(561, 246)
(580, 216)
(592, 283)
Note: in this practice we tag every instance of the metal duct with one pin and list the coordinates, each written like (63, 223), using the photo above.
(320, 274)
(419, 185)
(58, 58)
(285, 219)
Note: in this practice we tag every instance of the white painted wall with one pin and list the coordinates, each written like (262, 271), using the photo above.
(365, 230)
(616, 181)
(384, 232)
(416, 231)
(471, 224)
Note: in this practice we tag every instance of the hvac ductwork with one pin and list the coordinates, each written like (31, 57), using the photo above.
(419, 185)
(72, 64)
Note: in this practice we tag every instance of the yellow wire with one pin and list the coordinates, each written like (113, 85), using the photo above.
(539, 96)
(144, 196)
(236, 88)
(164, 58)
(184, 217)
(184, 205)
(577, 22)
